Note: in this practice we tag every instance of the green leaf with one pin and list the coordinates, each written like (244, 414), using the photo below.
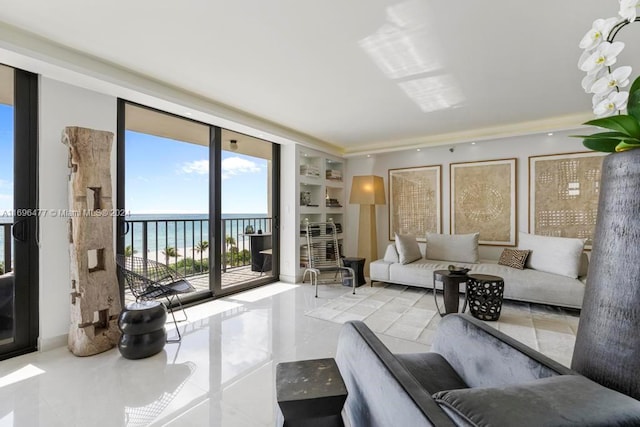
(606, 145)
(622, 123)
(609, 135)
(633, 104)
(623, 146)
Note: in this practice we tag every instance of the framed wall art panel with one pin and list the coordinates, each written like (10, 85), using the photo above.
(484, 199)
(415, 205)
(563, 194)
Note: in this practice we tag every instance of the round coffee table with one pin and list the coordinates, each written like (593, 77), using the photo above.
(450, 290)
(484, 296)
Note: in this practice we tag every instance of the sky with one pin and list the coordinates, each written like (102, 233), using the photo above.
(167, 176)
(6, 162)
(163, 175)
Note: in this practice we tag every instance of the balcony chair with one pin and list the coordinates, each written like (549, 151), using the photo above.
(324, 254)
(150, 280)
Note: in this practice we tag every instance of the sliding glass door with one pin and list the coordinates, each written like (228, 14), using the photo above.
(193, 202)
(18, 212)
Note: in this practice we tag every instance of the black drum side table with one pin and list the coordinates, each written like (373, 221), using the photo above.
(450, 290)
(310, 393)
(142, 326)
(484, 295)
(358, 267)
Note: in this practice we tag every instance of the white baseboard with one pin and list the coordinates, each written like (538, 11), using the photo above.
(45, 344)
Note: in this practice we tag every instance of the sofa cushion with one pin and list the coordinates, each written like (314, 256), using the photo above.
(432, 371)
(408, 249)
(456, 247)
(514, 258)
(559, 255)
(564, 400)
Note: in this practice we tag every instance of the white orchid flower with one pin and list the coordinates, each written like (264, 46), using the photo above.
(589, 80)
(605, 55)
(598, 33)
(610, 105)
(618, 78)
(629, 9)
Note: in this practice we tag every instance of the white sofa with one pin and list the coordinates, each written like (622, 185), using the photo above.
(522, 285)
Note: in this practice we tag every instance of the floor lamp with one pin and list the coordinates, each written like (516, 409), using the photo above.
(367, 191)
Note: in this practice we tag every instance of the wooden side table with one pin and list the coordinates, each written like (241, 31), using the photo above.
(358, 267)
(310, 392)
(484, 295)
(450, 289)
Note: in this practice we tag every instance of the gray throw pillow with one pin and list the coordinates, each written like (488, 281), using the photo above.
(408, 248)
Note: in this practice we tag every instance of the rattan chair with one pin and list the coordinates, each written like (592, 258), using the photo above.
(151, 280)
(324, 254)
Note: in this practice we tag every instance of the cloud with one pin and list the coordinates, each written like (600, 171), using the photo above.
(231, 166)
(6, 196)
(237, 166)
(5, 184)
(200, 167)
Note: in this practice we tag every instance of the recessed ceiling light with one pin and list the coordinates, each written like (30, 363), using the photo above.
(550, 134)
(188, 113)
(473, 143)
(417, 149)
(368, 155)
(306, 155)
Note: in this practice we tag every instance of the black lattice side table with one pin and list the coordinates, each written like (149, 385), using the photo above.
(484, 296)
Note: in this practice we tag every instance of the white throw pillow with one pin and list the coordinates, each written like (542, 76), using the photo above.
(408, 248)
(455, 247)
(558, 255)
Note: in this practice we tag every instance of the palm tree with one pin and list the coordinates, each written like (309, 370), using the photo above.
(231, 242)
(170, 252)
(129, 251)
(202, 246)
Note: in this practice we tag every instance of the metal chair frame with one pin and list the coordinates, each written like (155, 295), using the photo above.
(324, 254)
(151, 280)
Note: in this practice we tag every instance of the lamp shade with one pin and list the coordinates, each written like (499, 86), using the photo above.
(367, 190)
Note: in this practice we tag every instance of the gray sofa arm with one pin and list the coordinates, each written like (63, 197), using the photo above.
(485, 357)
(382, 392)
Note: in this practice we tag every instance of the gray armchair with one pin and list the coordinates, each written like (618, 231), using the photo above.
(474, 376)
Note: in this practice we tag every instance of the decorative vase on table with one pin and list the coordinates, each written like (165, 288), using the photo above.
(607, 348)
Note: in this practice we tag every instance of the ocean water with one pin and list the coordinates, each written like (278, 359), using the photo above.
(182, 231)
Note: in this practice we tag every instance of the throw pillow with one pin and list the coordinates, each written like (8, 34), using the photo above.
(408, 249)
(558, 255)
(514, 258)
(455, 247)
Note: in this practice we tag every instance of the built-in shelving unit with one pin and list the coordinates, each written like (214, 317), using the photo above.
(321, 191)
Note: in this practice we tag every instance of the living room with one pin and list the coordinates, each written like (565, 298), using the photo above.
(504, 104)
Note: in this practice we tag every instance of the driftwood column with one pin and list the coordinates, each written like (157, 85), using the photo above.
(95, 295)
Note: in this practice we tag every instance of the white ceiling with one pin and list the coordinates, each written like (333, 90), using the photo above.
(359, 74)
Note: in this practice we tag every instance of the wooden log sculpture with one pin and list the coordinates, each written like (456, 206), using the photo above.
(95, 295)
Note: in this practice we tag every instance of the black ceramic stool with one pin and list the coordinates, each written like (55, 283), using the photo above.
(142, 326)
(358, 267)
(484, 296)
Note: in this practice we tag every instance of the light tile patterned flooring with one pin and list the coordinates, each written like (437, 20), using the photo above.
(410, 313)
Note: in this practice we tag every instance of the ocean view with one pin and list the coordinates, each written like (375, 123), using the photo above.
(182, 231)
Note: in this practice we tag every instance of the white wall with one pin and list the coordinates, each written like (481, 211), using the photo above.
(61, 105)
(519, 147)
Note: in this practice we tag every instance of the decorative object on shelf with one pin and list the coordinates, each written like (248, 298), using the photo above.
(483, 198)
(305, 198)
(333, 175)
(249, 229)
(310, 170)
(415, 201)
(333, 203)
(563, 194)
(367, 191)
(95, 294)
(607, 341)
(606, 84)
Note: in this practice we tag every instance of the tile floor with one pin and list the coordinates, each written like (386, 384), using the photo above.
(222, 374)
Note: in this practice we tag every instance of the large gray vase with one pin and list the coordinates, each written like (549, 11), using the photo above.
(608, 341)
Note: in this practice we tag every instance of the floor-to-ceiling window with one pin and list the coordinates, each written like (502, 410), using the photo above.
(18, 212)
(192, 200)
